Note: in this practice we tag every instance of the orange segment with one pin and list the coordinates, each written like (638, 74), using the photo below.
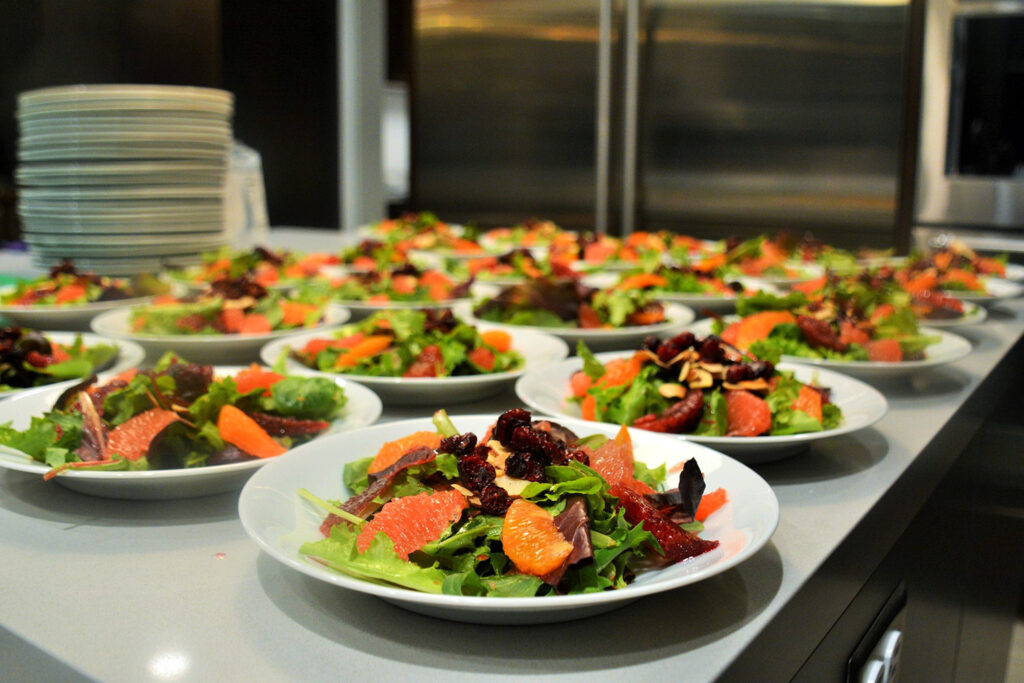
(531, 540)
(759, 326)
(295, 313)
(370, 346)
(641, 281)
(809, 401)
(614, 462)
(710, 502)
(413, 521)
(238, 429)
(255, 377)
(390, 452)
(255, 323)
(499, 340)
(748, 414)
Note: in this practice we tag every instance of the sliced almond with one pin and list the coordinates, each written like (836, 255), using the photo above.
(513, 487)
(652, 356)
(681, 356)
(684, 372)
(244, 302)
(716, 369)
(759, 384)
(700, 379)
(669, 390)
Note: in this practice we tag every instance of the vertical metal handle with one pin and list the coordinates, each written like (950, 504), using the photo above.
(629, 114)
(604, 114)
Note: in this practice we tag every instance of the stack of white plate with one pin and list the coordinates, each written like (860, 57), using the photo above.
(123, 178)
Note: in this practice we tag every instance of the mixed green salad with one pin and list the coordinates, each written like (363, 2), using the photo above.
(565, 303)
(529, 509)
(31, 359)
(411, 343)
(177, 415)
(689, 385)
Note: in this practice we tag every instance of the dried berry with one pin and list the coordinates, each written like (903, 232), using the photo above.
(537, 442)
(494, 500)
(459, 445)
(508, 421)
(668, 351)
(737, 373)
(711, 350)
(650, 344)
(525, 466)
(579, 455)
(475, 473)
(761, 369)
(684, 340)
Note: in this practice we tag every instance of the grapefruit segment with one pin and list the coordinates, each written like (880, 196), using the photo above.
(132, 437)
(390, 452)
(413, 521)
(749, 415)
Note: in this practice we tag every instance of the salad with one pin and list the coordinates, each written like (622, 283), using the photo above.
(953, 268)
(177, 415)
(530, 233)
(840, 327)
(231, 306)
(267, 267)
(30, 359)
(549, 303)
(518, 264)
(688, 385)
(411, 343)
(372, 254)
(528, 509)
(406, 284)
(67, 286)
(879, 286)
(679, 280)
(756, 257)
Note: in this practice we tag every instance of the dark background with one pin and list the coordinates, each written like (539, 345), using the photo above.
(278, 58)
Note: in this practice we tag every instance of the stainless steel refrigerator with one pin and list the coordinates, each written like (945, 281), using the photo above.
(711, 118)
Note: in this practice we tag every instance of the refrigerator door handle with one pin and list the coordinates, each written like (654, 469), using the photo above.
(630, 112)
(603, 128)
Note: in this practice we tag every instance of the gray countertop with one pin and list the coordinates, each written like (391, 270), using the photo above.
(176, 591)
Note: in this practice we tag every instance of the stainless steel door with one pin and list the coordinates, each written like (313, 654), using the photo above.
(761, 116)
(504, 110)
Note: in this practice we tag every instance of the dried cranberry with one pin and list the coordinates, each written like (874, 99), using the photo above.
(668, 351)
(711, 350)
(578, 455)
(538, 442)
(684, 340)
(650, 344)
(459, 445)
(737, 373)
(475, 473)
(508, 421)
(525, 466)
(494, 500)
(762, 369)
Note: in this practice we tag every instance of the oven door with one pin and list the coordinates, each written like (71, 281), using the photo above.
(971, 157)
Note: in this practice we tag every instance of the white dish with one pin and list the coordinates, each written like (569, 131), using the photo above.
(62, 317)
(362, 309)
(119, 194)
(279, 522)
(208, 349)
(76, 249)
(677, 317)
(129, 355)
(118, 230)
(973, 314)
(548, 391)
(996, 289)
(538, 350)
(362, 408)
(1015, 272)
(950, 348)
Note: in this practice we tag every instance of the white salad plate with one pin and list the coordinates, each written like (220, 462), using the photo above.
(950, 348)
(677, 317)
(538, 350)
(362, 408)
(973, 314)
(129, 355)
(204, 348)
(996, 289)
(1014, 271)
(279, 521)
(548, 391)
(62, 316)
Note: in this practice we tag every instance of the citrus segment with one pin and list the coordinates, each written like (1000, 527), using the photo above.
(531, 539)
(238, 429)
(132, 437)
(748, 414)
(614, 462)
(809, 401)
(413, 521)
(885, 350)
(390, 452)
